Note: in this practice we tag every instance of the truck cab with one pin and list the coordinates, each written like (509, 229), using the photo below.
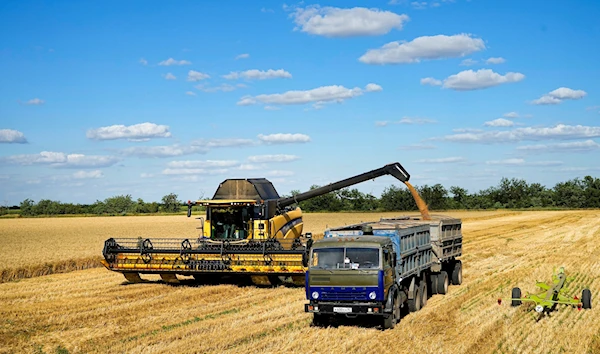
(353, 276)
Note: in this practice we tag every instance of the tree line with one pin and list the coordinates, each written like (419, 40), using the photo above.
(508, 194)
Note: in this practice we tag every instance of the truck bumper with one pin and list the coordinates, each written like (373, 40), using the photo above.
(331, 308)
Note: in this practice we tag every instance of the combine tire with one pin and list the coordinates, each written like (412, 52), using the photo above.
(516, 293)
(423, 291)
(414, 304)
(457, 273)
(586, 299)
(442, 282)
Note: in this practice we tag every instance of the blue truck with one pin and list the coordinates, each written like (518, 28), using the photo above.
(375, 269)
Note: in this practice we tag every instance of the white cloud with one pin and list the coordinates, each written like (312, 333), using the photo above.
(511, 115)
(170, 76)
(373, 88)
(417, 147)
(283, 138)
(35, 102)
(480, 79)
(431, 81)
(60, 159)
(251, 167)
(136, 132)
(443, 160)
(193, 171)
(271, 108)
(319, 95)
(498, 60)
(522, 162)
(143, 61)
(217, 143)
(382, 123)
(351, 22)
(222, 87)
(419, 121)
(500, 122)
(575, 146)
(557, 132)
(426, 47)
(11, 136)
(196, 76)
(558, 95)
(88, 174)
(468, 62)
(146, 175)
(163, 151)
(272, 158)
(242, 56)
(190, 93)
(256, 74)
(419, 5)
(203, 164)
(172, 61)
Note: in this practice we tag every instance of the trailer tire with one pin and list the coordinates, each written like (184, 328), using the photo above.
(442, 282)
(457, 273)
(423, 291)
(586, 299)
(516, 293)
(414, 304)
(433, 281)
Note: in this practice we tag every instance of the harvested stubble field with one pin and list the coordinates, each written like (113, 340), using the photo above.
(95, 310)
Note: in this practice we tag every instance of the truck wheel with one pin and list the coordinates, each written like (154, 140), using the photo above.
(457, 273)
(423, 290)
(442, 282)
(516, 293)
(414, 304)
(320, 320)
(433, 281)
(586, 299)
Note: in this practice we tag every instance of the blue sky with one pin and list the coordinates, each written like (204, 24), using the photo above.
(147, 98)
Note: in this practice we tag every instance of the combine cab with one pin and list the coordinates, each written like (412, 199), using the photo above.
(249, 230)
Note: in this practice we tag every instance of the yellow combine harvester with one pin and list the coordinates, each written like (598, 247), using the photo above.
(249, 230)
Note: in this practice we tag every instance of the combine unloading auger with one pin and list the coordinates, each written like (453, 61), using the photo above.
(249, 230)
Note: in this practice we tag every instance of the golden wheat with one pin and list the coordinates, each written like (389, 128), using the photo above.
(95, 310)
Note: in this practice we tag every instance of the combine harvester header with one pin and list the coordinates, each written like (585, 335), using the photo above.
(249, 230)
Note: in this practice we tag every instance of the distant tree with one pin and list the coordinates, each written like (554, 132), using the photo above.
(119, 204)
(170, 203)
(27, 207)
(396, 198)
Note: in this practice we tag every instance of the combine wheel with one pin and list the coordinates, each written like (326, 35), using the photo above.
(586, 299)
(423, 290)
(442, 282)
(457, 273)
(433, 281)
(414, 304)
(516, 293)
(133, 277)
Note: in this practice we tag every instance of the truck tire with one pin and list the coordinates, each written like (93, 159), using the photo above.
(442, 282)
(433, 281)
(423, 291)
(320, 320)
(414, 304)
(586, 299)
(457, 273)
(516, 293)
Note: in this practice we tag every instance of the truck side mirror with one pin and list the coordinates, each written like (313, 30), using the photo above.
(308, 235)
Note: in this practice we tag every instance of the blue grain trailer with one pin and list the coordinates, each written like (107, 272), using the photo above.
(376, 268)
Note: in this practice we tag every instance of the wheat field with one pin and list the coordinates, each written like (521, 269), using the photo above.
(95, 310)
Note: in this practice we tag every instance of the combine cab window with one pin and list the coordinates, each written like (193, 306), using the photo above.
(345, 258)
(229, 223)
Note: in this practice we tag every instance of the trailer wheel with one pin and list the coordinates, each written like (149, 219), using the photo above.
(516, 293)
(442, 282)
(586, 299)
(423, 291)
(457, 273)
(433, 281)
(414, 304)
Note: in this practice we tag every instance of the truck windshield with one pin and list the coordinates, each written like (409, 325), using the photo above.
(345, 258)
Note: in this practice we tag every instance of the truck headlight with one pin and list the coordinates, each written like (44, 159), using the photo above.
(372, 295)
(315, 295)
